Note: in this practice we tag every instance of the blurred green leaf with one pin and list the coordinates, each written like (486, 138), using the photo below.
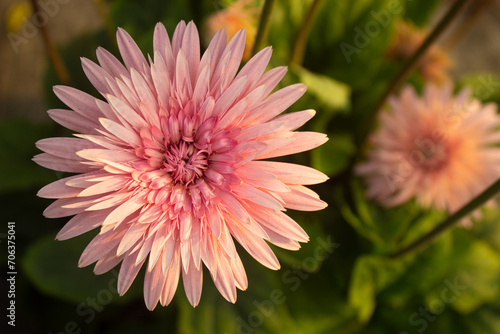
(329, 93)
(483, 86)
(473, 275)
(333, 156)
(52, 266)
(387, 228)
(487, 228)
(456, 260)
(419, 12)
(17, 148)
(371, 274)
(261, 309)
(349, 39)
(318, 249)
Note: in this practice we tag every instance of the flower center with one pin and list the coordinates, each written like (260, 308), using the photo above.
(185, 162)
(430, 153)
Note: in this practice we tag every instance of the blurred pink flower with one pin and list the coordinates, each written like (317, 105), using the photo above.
(440, 149)
(241, 14)
(173, 167)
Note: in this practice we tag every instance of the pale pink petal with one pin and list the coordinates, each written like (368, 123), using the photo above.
(303, 199)
(131, 54)
(100, 245)
(128, 272)
(110, 64)
(74, 121)
(293, 173)
(193, 279)
(82, 223)
(302, 141)
(153, 285)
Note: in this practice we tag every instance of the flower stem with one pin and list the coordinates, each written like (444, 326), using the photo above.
(299, 47)
(449, 222)
(103, 11)
(411, 63)
(264, 23)
(55, 57)
(475, 11)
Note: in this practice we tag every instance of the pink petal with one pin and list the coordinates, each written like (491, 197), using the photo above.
(99, 246)
(303, 141)
(120, 132)
(59, 189)
(130, 52)
(122, 211)
(74, 121)
(224, 279)
(82, 223)
(303, 199)
(110, 64)
(61, 164)
(99, 78)
(133, 234)
(255, 67)
(172, 280)
(191, 48)
(271, 78)
(256, 247)
(193, 280)
(293, 173)
(153, 285)
(80, 102)
(125, 112)
(128, 272)
(294, 120)
(254, 195)
(108, 262)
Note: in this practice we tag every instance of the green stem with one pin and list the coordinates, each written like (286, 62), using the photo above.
(54, 56)
(449, 222)
(411, 63)
(299, 47)
(103, 11)
(264, 23)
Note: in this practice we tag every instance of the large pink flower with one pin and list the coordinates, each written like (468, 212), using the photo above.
(440, 149)
(173, 167)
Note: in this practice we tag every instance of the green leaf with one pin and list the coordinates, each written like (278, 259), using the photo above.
(261, 309)
(52, 266)
(456, 259)
(370, 275)
(349, 39)
(419, 12)
(17, 171)
(488, 229)
(387, 228)
(483, 86)
(315, 252)
(331, 94)
(473, 275)
(333, 156)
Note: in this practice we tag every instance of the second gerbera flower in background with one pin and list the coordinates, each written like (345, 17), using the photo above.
(441, 149)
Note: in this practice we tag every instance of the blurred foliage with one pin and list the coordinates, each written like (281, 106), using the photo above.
(342, 281)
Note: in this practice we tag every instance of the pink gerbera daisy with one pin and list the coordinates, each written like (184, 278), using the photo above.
(172, 163)
(440, 149)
